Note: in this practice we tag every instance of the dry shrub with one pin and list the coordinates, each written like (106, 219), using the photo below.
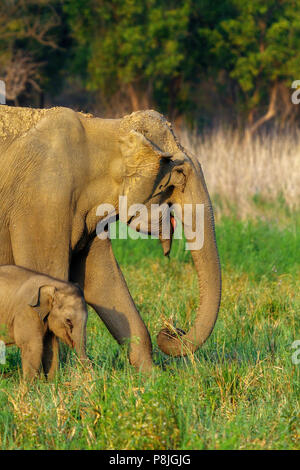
(267, 166)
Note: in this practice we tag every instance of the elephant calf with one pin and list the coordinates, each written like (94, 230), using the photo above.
(36, 310)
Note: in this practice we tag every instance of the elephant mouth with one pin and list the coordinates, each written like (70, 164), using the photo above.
(69, 341)
(173, 222)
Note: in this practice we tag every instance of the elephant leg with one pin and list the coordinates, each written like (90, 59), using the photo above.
(50, 359)
(106, 291)
(31, 353)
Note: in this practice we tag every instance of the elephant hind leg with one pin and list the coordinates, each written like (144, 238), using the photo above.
(50, 359)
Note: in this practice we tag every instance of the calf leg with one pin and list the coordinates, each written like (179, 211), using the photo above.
(31, 353)
(50, 359)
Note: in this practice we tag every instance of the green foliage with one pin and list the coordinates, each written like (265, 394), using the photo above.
(129, 42)
(165, 50)
(260, 45)
(158, 47)
(166, 54)
(31, 35)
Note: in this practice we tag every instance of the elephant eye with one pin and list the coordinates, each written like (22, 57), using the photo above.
(178, 177)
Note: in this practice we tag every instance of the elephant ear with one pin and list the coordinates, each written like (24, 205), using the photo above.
(42, 300)
(139, 152)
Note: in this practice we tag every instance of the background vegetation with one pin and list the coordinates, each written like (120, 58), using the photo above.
(194, 61)
(222, 72)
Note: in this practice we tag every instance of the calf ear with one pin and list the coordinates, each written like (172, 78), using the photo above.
(42, 300)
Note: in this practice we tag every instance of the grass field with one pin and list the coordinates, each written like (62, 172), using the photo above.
(240, 391)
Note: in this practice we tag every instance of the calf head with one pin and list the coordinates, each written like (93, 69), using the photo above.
(64, 310)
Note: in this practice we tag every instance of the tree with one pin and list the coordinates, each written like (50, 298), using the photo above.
(130, 47)
(28, 30)
(259, 49)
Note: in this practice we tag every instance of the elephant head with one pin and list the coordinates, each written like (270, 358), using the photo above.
(65, 311)
(159, 171)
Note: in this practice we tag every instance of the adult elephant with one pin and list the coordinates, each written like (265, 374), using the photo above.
(57, 167)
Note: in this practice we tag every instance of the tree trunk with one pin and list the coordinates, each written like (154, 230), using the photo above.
(271, 112)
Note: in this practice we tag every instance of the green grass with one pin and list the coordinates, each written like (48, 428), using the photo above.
(240, 391)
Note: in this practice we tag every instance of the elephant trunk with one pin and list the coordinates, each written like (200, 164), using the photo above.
(79, 343)
(206, 260)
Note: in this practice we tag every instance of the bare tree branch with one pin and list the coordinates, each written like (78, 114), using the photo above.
(18, 73)
(23, 20)
(271, 112)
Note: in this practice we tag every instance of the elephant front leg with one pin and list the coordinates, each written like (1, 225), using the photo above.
(31, 353)
(106, 291)
(50, 359)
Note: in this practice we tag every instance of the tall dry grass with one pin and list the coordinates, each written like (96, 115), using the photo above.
(266, 168)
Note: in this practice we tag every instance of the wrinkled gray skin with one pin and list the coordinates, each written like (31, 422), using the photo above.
(57, 167)
(36, 310)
